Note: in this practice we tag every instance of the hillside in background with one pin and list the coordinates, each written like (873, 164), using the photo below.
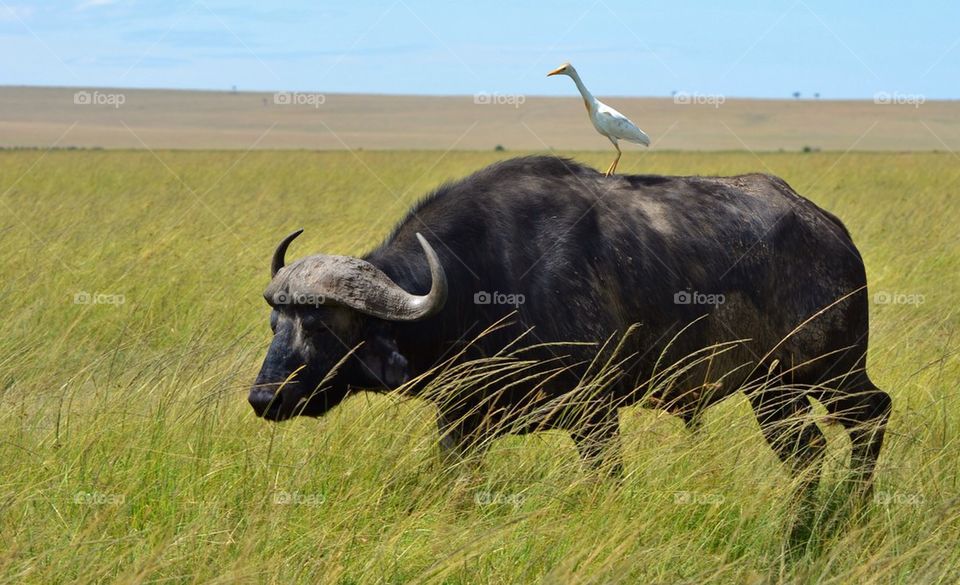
(168, 119)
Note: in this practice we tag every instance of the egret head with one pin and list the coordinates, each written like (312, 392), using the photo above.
(565, 69)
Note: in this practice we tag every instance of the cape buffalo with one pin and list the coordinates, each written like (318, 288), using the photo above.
(689, 288)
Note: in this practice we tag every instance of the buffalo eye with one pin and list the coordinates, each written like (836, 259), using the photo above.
(310, 321)
(274, 317)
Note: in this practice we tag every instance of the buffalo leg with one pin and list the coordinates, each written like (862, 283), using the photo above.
(458, 437)
(863, 411)
(452, 448)
(797, 440)
(598, 441)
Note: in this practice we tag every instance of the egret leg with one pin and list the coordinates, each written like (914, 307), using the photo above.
(613, 165)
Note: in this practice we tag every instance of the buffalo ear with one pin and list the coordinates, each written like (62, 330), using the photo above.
(382, 363)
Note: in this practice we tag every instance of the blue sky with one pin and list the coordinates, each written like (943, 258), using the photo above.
(840, 49)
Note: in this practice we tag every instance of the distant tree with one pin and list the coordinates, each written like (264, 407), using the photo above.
(816, 96)
(796, 95)
(499, 148)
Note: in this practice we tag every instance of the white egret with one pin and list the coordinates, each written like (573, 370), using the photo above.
(609, 122)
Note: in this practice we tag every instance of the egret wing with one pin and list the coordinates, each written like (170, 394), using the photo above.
(615, 124)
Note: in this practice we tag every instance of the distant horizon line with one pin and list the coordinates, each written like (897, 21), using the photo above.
(803, 97)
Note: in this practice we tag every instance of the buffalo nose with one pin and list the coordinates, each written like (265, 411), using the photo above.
(265, 402)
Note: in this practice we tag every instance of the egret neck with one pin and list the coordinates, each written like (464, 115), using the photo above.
(588, 100)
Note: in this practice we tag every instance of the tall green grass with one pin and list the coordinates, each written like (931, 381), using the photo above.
(132, 325)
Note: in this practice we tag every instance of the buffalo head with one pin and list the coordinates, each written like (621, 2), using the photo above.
(332, 318)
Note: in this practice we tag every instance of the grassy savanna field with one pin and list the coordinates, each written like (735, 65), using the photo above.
(133, 325)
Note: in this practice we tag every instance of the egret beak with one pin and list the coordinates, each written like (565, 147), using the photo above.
(556, 71)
